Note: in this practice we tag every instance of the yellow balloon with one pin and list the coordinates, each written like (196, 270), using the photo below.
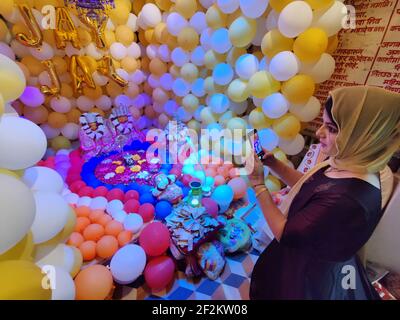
(157, 67)
(299, 89)
(3, 30)
(274, 42)
(161, 33)
(272, 183)
(190, 103)
(209, 85)
(34, 66)
(207, 116)
(124, 34)
(233, 16)
(287, 126)
(6, 7)
(12, 79)
(188, 39)
(164, 5)
(215, 17)
(137, 6)
(212, 58)
(234, 54)
(262, 84)
(59, 143)
(258, 119)
(279, 154)
(278, 5)
(311, 44)
(57, 120)
(21, 251)
(150, 36)
(119, 15)
(242, 31)
(109, 37)
(22, 280)
(9, 173)
(84, 36)
(64, 234)
(333, 43)
(238, 90)
(319, 4)
(78, 261)
(189, 72)
(186, 8)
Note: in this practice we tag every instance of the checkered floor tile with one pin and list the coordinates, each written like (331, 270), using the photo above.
(233, 284)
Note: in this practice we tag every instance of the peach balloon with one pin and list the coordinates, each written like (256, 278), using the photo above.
(88, 250)
(113, 228)
(239, 187)
(93, 232)
(83, 211)
(81, 224)
(75, 239)
(93, 283)
(233, 173)
(104, 220)
(223, 171)
(106, 247)
(219, 180)
(96, 215)
(210, 172)
(124, 237)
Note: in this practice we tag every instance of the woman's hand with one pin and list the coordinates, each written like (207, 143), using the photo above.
(269, 158)
(256, 177)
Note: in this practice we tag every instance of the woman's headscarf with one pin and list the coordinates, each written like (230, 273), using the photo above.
(368, 120)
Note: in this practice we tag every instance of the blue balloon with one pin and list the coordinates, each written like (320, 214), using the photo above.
(185, 191)
(147, 198)
(223, 194)
(163, 209)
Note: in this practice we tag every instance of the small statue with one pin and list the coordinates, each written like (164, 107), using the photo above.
(122, 124)
(94, 135)
(166, 189)
(211, 259)
(235, 236)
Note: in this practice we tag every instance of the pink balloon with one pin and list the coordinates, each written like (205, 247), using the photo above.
(211, 206)
(239, 187)
(155, 239)
(223, 171)
(159, 272)
(219, 180)
(210, 172)
(233, 173)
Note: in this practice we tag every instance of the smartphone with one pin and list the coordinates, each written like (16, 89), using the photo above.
(253, 136)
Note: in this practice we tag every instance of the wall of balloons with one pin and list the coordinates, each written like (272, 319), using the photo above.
(203, 62)
(214, 64)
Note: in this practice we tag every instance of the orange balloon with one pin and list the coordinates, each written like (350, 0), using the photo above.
(124, 237)
(81, 224)
(75, 239)
(66, 91)
(96, 215)
(88, 250)
(104, 220)
(113, 228)
(93, 232)
(57, 120)
(93, 283)
(73, 115)
(37, 115)
(106, 247)
(83, 211)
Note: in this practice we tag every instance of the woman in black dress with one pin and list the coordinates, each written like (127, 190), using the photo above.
(331, 211)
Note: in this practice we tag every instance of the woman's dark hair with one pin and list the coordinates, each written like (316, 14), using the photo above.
(328, 108)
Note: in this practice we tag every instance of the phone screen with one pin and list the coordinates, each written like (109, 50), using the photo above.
(256, 144)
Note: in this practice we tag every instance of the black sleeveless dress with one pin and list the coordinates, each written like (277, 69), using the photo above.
(328, 222)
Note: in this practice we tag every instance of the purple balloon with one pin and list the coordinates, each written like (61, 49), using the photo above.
(32, 97)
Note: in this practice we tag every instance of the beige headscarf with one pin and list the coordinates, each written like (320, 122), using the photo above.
(368, 119)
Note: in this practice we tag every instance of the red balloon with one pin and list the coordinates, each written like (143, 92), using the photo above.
(77, 185)
(211, 206)
(159, 272)
(114, 194)
(186, 179)
(131, 194)
(132, 206)
(86, 192)
(146, 210)
(155, 239)
(100, 192)
(177, 172)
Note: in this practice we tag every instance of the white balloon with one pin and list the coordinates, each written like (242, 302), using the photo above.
(220, 41)
(179, 57)
(43, 179)
(228, 6)
(49, 131)
(166, 81)
(253, 8)
(275, 106)
(246, 65)
(261, 31)
(198, 87)
(268, 138)
(44, 52)
(133, 222)
(70, 131)
(60, 104)
(92, 50)
(22, 143)
(84, 202)
(61, 256)
(114, 206)
(175, 23)
(120, 216)
(198, 22)
(151, 15)
(134, 50)
(205, 39)
(137, 77)
(17, 207)
(164, 53)
(238, 107)
(183, 115)
(332, 19)
(320, 71)
(219, 103)
(64, 286)
(72, 198)
(128, 263)
(7, 51)
(181, 87)
(284, 65)
(152, 51)
(295, 18)
(197, 56)
(84, 103)
(51, 215)
(118, 51)
(206, 3)
(272, 20)
(222, 74)
(307, 112)
(132, 22)
(292, 147)
(99, 203)
(104, 103)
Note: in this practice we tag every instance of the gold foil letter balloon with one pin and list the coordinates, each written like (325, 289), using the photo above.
(106, 67)
(80, 73)
(35, 38)
(65, 29)
(56, 84)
